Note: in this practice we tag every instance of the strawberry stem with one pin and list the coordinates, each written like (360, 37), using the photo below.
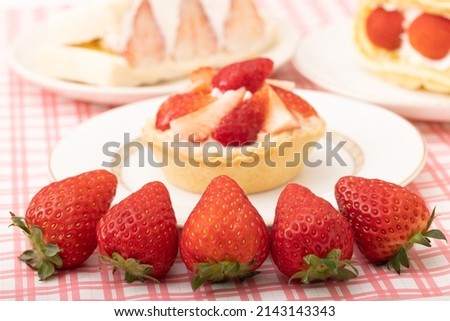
(221, 272)
(43, 258)
(401, 258)
(132, 268)
(330, 267)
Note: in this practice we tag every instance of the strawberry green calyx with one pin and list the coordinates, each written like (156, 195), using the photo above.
(221, 272)
(330, 267)
(43, 258)
(401, 258)
(133, 269)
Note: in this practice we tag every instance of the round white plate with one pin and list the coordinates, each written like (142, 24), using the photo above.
(376, 143)
(328, 58)
(23, 60)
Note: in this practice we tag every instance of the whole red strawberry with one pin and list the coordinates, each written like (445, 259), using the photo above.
(429, 34)
(61, 219)
(387, 219)
(250, 74)
(311, 241)
(139, 234)
(224, 237)
(384, 28)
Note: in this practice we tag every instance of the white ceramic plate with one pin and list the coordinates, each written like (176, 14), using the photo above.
(23, 60)
(328, 58)
(376, 143)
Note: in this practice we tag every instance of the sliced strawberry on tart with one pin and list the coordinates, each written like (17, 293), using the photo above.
(406, 42)
(233, 121)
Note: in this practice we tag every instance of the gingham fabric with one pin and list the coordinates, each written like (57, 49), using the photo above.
(32, 120)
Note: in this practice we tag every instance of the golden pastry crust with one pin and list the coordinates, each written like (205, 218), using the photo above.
(256, 168)
(390, 64)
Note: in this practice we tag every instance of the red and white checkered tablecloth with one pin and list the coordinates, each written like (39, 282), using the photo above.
(32, 120)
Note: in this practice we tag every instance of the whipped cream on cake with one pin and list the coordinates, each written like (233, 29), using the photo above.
(142, 42)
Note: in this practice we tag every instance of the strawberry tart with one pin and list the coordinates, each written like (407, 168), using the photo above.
(406, 41)
(142, 42)
(233, 121)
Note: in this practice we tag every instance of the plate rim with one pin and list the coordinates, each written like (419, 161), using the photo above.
(418, 167)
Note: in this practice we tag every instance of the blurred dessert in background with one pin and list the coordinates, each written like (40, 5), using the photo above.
(143, 42)
(406, 41)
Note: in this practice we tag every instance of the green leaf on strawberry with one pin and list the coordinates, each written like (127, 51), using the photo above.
(322, 269)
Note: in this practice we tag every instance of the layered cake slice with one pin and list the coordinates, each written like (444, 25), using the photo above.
(233, 121)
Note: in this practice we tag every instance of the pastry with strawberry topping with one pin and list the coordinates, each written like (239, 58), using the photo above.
(406, 42)
(233, 121)
(61, 220)
(143, 42)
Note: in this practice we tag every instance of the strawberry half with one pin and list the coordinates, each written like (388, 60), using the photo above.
(387, 219)
(384, 28)
(430, 35)
(139, 234)
(295, 103)
(311, 241)
(250, 74)
(242, 125)
(180, 105)
(224, 237)
(61, 219)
